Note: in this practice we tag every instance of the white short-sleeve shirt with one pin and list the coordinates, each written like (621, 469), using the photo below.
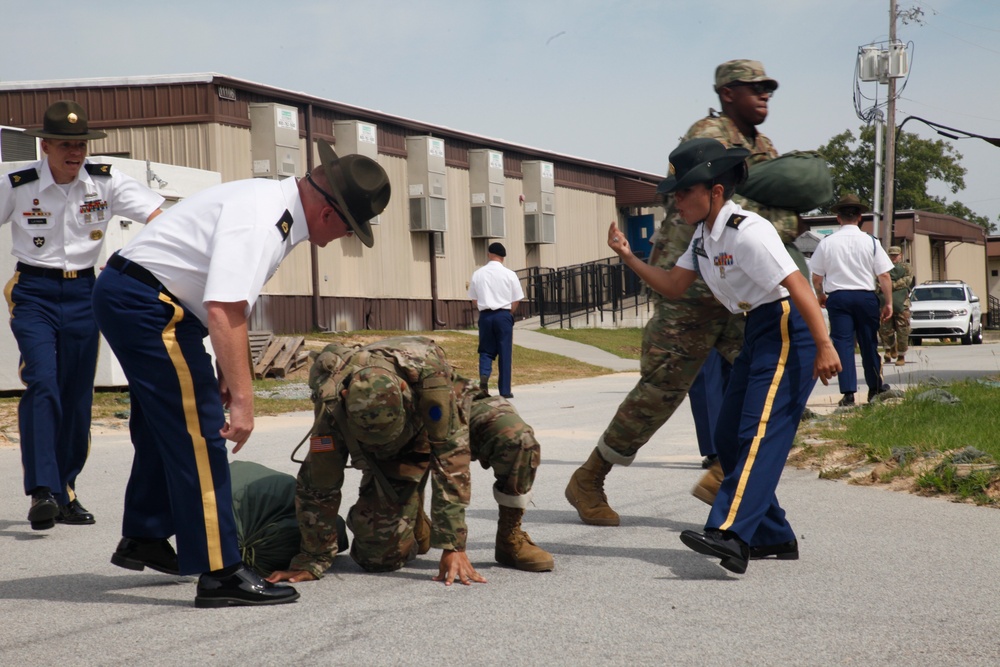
(223, 243)
(63, 226)
(495, 287)
(741, 259)
(849, 259)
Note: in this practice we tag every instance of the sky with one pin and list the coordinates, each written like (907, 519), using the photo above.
(617, 81)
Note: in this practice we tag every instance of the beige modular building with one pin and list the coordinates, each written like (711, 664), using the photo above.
(453, 192)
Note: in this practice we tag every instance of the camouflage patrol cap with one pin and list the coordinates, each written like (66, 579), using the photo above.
(742, 71)
(894, 250)
(374, 404)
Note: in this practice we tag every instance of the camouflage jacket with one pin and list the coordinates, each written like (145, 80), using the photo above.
(445, 445)
(674, 235)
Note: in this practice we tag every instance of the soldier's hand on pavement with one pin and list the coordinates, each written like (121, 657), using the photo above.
(617, 240)
(294, 576)
(456, 564)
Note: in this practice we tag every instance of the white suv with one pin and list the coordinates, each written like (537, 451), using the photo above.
(945, 309)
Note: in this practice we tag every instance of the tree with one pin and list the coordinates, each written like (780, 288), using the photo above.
(918, 161)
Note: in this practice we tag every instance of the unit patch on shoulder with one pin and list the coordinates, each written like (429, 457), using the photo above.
(285, 224)
(734, 220)
(21, 177)
(99, 169)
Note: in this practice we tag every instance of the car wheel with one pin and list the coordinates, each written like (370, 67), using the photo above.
(967, 336)
(977, 339)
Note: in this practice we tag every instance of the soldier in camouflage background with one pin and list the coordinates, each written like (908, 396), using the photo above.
(895, 332)
(410, 417)
(681, 333)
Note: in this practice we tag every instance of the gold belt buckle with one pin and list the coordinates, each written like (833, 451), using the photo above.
(69, 274)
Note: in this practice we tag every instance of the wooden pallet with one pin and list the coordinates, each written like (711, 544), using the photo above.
(280, 356)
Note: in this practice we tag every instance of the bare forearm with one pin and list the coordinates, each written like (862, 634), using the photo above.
(227, 328)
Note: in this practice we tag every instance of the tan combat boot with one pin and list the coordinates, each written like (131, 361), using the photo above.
(708, 486)
(900, 360)
(585, 492)
(514, 548)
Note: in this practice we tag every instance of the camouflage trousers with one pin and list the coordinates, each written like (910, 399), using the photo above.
(895, 333)
(675, 344)
(384, 529)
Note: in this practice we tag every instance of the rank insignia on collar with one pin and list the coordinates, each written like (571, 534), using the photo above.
(744, 305)
(734, 220)
(39, 241)
(285, 224)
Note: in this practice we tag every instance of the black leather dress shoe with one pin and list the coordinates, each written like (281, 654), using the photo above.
(74, 514)
(137, 555)
(44, 509)
(881, 390)
(733, 552)
(846, 400)
(783, 551)
(242, 588)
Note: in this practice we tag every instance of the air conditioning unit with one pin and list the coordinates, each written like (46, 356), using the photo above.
(274, 141)
(428, 185)
(539, 202)
(360, 138)
(486, 188)
(16, 146)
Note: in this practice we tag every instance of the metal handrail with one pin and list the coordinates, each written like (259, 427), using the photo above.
(602, 288)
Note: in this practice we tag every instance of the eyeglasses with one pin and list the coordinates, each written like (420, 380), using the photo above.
(757, 87)
(329, 200)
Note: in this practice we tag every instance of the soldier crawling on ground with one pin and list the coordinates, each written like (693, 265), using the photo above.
(403, 414)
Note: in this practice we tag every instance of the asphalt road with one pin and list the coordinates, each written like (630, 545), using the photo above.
(885, 578)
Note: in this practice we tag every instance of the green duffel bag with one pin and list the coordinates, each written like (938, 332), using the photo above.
(264, 505)
(799, 181)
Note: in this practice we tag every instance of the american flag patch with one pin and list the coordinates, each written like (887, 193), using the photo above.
(321, 443)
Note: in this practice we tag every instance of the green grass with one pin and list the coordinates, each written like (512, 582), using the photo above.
(624, 343)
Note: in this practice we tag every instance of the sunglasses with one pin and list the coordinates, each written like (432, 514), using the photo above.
(329, 200)
(757, 87)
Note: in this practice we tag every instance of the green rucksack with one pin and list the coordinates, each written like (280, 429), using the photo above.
(799, 181)
(266, 526)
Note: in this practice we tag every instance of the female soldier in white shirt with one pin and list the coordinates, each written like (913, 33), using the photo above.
(785, 348)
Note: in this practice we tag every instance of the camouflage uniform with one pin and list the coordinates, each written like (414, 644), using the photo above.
(431, 439)
(895, 332)
(681, 333)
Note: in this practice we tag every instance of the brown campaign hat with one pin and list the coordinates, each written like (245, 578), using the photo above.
(65, 119)
(360, 185)
(850, 200)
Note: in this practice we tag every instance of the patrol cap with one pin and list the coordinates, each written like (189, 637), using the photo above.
(360, 187)
(65, 119)
(699, 161)
(850, 201)
(894, 250)
(374, 406)
(741, 71)
(329, 362)
(497, 249)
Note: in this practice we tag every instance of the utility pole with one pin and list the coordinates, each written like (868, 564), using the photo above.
(888, 206)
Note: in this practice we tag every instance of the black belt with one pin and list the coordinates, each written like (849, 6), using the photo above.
(495, 310)
(59, 274)
(133, 270)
